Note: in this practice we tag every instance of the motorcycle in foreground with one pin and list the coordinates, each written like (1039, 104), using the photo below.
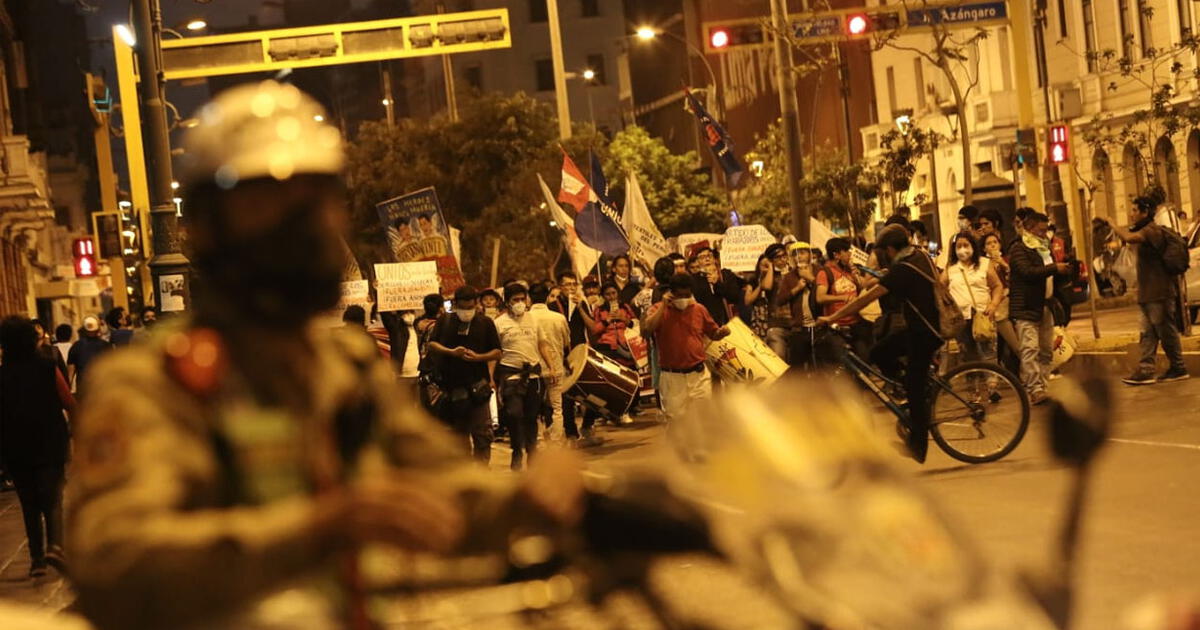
(798, 519)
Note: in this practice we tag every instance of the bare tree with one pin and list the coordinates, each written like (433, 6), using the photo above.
(953, 50)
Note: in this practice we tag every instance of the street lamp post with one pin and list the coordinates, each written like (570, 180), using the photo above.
(168, 259)
(560, 73)
(648, 33)
(589, 76)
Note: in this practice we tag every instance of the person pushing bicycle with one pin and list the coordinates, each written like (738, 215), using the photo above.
(909, 278)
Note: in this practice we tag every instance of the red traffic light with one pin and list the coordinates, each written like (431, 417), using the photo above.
(857, 24)
(719, 38)
(1059, 145)
(85, 257)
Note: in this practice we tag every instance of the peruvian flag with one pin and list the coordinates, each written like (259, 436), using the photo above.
(575, 190)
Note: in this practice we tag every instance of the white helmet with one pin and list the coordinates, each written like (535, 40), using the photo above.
(266, 129)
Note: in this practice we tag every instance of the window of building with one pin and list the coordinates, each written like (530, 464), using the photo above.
(537, 11)
(544, 71)
(473, 75)
(1145, 18)
(596, 64)
(591, 8)
(1185, 18)
(1062, 18)
(1123, 23)
(1089, 33)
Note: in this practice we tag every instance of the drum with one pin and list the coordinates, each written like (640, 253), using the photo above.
(744, 358)
(605, 386)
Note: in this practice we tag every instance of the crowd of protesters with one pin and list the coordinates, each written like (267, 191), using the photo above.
(494, 361)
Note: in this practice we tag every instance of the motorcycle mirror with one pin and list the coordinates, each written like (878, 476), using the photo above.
(1080, 418)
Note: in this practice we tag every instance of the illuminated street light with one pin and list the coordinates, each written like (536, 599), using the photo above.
(645, 33)
(197, 24)
(589, 74)
(757, 167)
(126, 35)
(386, 102)
(319, 118)
(903, 122)
(174, 185)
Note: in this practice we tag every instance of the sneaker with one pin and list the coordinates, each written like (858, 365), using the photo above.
(37, 569)
(625, 420)
(1140, 378)
(1039, 398)
(1174, 374)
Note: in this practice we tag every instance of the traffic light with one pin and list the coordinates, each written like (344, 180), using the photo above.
(85, 258)
(1059, 146)
(859, 24)
(722, 37)
(719, 38)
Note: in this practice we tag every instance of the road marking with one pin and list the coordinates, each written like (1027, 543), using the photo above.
(1190, 447)
(1114, 353)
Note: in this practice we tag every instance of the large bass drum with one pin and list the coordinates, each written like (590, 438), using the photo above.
(601, 384)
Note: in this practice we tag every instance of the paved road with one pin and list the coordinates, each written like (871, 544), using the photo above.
(1139, 535)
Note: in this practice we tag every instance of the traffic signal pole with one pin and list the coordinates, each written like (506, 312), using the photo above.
(168, 259)
(1022, 26)
(789, 115)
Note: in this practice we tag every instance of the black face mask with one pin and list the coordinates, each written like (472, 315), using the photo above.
(282, 276)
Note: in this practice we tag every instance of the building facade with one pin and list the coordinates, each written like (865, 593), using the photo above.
(43, 139)
(594, 38)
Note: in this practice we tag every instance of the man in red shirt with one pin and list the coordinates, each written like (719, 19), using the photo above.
(681, 330)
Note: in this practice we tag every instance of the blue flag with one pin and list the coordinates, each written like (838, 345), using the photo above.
(598, 224)
(718, 140)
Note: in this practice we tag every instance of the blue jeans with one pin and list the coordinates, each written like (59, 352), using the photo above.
(1158, 326)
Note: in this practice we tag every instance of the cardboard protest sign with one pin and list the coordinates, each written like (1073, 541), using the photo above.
(403, 286)
(742, 246)
(417, 231)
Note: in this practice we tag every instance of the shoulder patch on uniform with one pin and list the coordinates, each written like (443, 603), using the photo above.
(197, 359)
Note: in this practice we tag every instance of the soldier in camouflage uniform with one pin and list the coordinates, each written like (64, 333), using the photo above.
(243, 450)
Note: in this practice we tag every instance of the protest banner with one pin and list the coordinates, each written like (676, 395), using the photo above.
(354, 292)
(686, 242)
(403, 286)
(742, 246)
(859, 257)
(417, 231)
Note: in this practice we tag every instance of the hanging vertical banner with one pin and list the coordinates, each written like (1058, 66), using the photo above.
(417, 231)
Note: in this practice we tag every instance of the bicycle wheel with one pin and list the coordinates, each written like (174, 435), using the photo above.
(980, 412)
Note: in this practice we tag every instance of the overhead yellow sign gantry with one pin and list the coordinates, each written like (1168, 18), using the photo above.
(304, 47)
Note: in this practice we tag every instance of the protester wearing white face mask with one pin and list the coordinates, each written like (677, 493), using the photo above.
(519, 375)
(976, 290)
(681, 330)
(462, 345)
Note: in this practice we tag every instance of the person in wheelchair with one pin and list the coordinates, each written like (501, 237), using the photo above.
(909, 279)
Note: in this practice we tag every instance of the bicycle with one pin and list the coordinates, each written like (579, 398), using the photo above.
(979, 410)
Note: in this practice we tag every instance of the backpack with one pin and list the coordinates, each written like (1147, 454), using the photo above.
(950, 318)
(1175, 256)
